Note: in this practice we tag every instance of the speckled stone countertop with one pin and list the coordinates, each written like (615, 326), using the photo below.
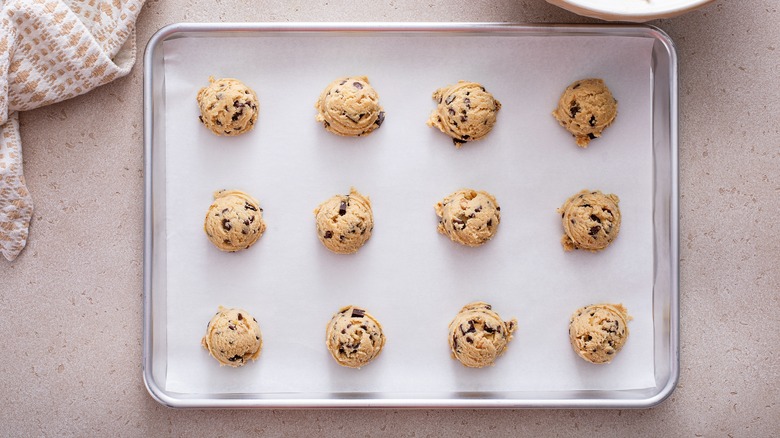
(72, 301)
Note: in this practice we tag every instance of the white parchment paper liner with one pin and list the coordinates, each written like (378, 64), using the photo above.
(408, 276)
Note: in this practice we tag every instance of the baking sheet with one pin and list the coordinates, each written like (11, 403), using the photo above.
(411, 278)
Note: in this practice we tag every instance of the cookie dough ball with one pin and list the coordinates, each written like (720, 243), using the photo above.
(344, 222)
(350, 107)
(478, 336)
(234, 220)
(354, 337)
(233, 337)
(597, 332)
(591, 220)
(468, 217)
(227, 106)
(465, 111)
(585, 109)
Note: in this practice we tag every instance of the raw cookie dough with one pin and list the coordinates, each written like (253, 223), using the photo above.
(344, 222)
(234, 220)
(468, 217)
(227, 106)
(597, 332)
(465, 111)
(354, 337)
(585, 109)
(350, 107)
(233, 337)
(478, 336)
(591, 220)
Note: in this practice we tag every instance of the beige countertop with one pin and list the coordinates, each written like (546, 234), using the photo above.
(72, 302)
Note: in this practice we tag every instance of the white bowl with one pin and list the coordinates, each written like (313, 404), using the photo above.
(629, 10)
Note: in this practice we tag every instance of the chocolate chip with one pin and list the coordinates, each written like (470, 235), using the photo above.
(498, 208)
(253, 319)
(343, 82)
(577, 85)
(237, 357)
(246, 222)
(449, 99)
(341, 238)
(257, 338)
(458, 141)
(574, 110)
(251, 219)
(591, 136)
(380, 119)
(585, 205)
(594, 230)
(237, 104)
(226, 224)
(478, 209)
(358, 313)
(341, 350)
(201, 119)
(465, 137)
(364, 327)
(572, 221)
(467, 101)
(459, 222)
(593, 217)
(357, 85)
(240, 317)
(490, 222)
(451, 111)
(488, 306)
(237, 115)
(343, 208)
(463, 118)
(610, 352)
(469, 340)
(232, 327)
(219, 123)
(592, 121)
(588, 338)
(488, 329)
(343, 331)
(328, 234)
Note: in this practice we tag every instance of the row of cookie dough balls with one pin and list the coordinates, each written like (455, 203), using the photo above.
(466, 111)
(234, 221)
(477, 335)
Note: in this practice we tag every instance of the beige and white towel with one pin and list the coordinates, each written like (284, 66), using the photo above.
(52, 50)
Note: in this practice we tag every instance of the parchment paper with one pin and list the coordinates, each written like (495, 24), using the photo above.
(408, 276)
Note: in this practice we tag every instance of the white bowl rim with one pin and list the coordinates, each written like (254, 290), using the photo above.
(636, 8)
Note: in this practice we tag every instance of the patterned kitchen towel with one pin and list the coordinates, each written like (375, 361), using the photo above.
(52, 50)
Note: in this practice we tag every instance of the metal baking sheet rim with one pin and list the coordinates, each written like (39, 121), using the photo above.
(588, 399)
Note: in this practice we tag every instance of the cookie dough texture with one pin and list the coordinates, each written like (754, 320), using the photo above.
(234, 220)
(597, 332)
(349, 106)
(585, 109)
(478, 336)
(228, 107)
(469, 217)
(233, 337)
(354, 337)
(344, 222)
(464, 111)
(591, 220)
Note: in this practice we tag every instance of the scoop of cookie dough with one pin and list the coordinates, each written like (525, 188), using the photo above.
(227, 106)
(354, 337)
(234, 220)
(349, 106)
(478, 336)
(344, 222)
(233, 337)
(464, 111)
(585, 109)
(468, 217)
(591, 220)
(597, 332)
